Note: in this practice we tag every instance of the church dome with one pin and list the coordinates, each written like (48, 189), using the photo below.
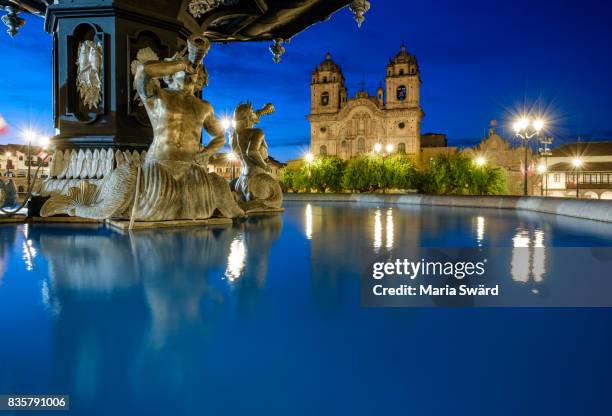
(402, 57)
(328, 65)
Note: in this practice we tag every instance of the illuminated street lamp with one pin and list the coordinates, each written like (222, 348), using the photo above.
(309, 158)
(526, 129)
(389, 148)
(231, 156)
(226, 123)
(378, 148)
(29, 135)
(577, 162)
(480, 161)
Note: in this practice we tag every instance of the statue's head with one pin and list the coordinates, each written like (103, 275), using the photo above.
(183, 81)
(246, 117)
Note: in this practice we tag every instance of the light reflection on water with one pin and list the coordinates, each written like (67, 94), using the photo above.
(212, 311)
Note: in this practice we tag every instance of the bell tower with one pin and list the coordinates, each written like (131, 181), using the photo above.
(403, 81)
(327, 90)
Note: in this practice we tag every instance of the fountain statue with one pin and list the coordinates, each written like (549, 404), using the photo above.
(172, 182)
(256, 189)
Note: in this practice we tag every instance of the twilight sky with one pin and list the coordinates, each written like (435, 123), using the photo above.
(479, 60)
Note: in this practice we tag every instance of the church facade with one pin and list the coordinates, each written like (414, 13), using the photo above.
(389, 122)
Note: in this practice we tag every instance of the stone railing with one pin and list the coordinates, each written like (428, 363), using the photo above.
(589, 209)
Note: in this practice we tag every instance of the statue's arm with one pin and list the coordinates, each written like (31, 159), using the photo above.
(148, 73)
(253, 149)
(213, 126)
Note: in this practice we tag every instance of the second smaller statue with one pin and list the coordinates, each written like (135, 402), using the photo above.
(255, 188)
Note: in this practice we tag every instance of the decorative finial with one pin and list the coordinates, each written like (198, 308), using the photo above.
(359, 9)
(403, 48)
(277, 49)
(12, 20)
(328, 56)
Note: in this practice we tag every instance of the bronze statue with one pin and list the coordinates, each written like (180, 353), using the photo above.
(256, 189)
(174, 182)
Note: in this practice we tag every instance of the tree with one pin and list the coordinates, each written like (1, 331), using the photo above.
(294, 179)
(399, 172)
(456, 174)
(360, 175)
(326, 173)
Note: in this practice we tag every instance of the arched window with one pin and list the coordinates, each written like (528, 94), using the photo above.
(401, 148)
(323, 150)
(401, 72)
(401, 92)
(325, 98)
(324, 79)
(361, 147)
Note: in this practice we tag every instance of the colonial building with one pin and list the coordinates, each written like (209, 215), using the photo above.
(229, 167)
(14, 165)
(497, 151)
(347, 127)
(579, 169)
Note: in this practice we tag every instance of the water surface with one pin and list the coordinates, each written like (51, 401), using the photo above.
(264, 318)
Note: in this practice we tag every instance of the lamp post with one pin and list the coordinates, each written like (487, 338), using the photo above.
(542, 171)
(526, 129)
(388, 149)
(29, 135)
(232, 159)
(9, 162)
(480, 161)
(545, 152)
(577, 162)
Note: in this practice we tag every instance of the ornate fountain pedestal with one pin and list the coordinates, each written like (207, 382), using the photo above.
(104, 125)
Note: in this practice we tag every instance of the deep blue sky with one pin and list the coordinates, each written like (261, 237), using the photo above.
(479, 60)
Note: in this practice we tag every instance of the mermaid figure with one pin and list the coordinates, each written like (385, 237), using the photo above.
(255, 188)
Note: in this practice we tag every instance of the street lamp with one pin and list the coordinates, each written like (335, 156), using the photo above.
(378, 148)
(526, 129)
(226, 123)
(232, 159)
(480, 161)
(577, 162)
(29, 135)
(389, 148)
(542, 170)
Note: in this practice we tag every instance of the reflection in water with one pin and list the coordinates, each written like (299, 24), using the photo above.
(8, 235)
(377, 230)
(28, 250)
(528, 261)
(480, 230)
(157, 292)
(236, 261)
(308, 212)
(390, 229)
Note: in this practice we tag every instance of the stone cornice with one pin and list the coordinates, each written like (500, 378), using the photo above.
(56, 11)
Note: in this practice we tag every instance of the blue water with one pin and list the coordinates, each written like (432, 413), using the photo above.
(264, 318)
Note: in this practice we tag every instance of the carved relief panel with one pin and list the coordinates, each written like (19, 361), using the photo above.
(86, 89)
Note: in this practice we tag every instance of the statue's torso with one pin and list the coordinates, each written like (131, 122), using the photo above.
(177, 118)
